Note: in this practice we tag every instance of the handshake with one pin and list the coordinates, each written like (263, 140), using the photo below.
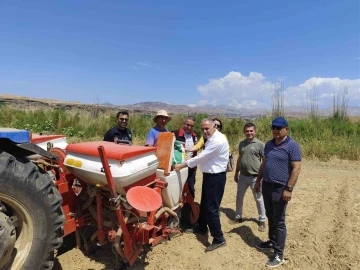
(190, 149)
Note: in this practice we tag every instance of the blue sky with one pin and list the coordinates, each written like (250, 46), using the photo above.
(181, 52)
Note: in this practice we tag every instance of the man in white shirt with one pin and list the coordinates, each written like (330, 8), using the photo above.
(212, 162)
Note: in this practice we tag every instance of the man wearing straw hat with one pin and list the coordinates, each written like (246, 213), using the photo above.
(160, 119)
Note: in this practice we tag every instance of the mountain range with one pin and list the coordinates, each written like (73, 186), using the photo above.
(151, 107)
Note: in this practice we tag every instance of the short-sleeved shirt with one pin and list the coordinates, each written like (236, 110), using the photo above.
(115, 134)
(251, 154)
(152, 136)
(278, 160)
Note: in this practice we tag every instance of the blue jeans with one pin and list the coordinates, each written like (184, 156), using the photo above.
(211, 195)
(275, 208)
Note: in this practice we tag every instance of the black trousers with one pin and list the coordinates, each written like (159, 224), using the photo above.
(191, 181)
(211, 195)
(275, 208)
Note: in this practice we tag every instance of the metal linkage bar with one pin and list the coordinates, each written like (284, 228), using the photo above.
(130, 251)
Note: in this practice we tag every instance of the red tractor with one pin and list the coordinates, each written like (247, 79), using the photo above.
(96, 192)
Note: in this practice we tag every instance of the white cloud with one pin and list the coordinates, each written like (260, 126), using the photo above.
(323, 90)
(144, 64)
(247, 104)
(254, 91)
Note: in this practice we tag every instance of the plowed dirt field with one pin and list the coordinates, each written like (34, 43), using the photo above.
(323, 221)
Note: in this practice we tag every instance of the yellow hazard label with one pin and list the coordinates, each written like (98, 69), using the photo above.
(74, 162)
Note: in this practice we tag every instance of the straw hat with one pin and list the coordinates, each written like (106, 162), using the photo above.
(161, 113)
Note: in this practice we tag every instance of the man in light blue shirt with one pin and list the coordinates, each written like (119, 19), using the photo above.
(161, 119)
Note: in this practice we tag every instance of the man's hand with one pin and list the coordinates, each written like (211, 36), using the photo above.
(236, 177)
(286, 195)
(190, 149)
(257, 186)
(178, 167)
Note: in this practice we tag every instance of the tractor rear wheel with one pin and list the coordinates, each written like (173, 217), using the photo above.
(31, 218)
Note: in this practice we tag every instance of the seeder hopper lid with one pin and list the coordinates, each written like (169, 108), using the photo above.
(112, 150)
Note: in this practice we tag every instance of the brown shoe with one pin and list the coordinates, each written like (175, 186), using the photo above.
(262, 227)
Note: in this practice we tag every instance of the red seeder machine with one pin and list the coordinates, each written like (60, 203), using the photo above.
(97, 192)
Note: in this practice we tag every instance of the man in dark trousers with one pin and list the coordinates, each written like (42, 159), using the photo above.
(120, 133)
(278, 174)
(188, 138)
(212, 162)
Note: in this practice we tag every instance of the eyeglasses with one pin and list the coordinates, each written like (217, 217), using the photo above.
(277, 127)
(123, 119)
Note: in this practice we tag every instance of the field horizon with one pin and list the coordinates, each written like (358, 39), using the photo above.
(30, 103)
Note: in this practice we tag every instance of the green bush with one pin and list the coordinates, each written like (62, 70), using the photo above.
(319, 137)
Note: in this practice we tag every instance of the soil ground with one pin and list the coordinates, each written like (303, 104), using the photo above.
(323, 221)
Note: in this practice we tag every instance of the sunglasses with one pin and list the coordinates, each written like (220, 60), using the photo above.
(277, 127)
(124, 119)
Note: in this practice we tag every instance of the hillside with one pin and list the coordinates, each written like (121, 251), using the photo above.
(28, 103)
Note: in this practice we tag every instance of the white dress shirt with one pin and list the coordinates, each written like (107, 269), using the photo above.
(189, 142)
(215, 157)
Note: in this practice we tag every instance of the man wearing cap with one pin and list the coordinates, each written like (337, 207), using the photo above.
(278, 174)
(161, 119)
(212, 162)
(188, 138)
(120, 133)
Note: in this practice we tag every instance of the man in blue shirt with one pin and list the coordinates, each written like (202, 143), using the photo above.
(120, 133)
(160, 119)
(278, 174)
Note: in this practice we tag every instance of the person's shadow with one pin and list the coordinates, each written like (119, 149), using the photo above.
(250, 238)
(104, 255)
(203, 239)
(230, 214)
(244, 231)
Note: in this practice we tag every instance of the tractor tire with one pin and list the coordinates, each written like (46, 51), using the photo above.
(32, 206)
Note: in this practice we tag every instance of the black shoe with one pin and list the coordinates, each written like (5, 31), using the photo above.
(198, 230)
(215, 246)
(275, 261)
(265, 245)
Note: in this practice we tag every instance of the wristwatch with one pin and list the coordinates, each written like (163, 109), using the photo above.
(290, 189)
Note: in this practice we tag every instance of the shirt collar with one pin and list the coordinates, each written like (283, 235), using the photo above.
(284, 141)
(215, 134)
(182, 132)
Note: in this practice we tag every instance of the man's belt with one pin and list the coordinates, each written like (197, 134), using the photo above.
(249, 174)
(220, 173)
